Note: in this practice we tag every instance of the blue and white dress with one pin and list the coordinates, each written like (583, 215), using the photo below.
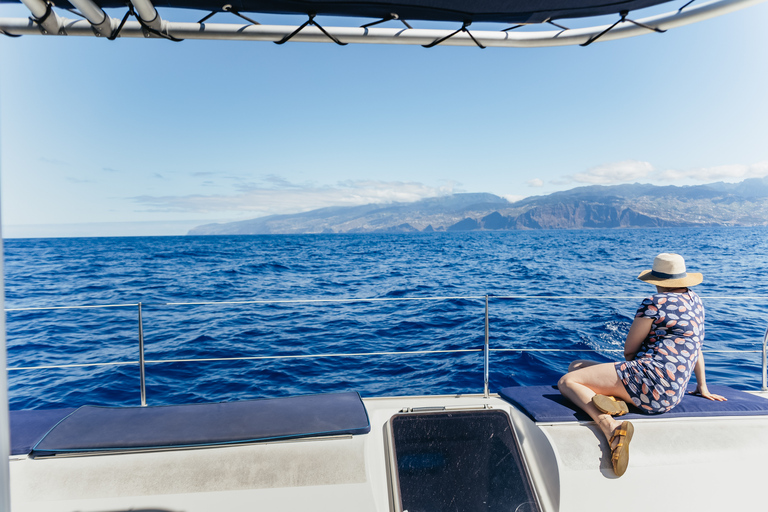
(658, 376)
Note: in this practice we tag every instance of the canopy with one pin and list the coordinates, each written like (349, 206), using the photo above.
(507, 11)
(518, 13)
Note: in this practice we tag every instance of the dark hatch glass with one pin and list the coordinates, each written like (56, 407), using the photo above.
(459, 461)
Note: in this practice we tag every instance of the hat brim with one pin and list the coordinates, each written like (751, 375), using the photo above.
(692, 279)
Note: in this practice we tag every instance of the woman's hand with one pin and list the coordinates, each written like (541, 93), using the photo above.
(702, 391)
(701, 388)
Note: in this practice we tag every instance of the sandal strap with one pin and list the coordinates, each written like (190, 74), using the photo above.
(618, 432)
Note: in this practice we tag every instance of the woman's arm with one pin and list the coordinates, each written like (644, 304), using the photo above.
(701, 381)
(638, 331)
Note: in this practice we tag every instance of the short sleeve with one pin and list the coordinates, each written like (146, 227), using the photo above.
(648, 309)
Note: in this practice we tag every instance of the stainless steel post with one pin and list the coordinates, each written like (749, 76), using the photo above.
(486, 369)
(5, 428)
(765, 362)
(141, 361)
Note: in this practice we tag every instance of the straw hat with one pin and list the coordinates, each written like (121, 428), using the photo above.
(669, 271)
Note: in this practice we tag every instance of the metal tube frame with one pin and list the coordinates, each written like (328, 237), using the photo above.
(486, 354)
(765, 362)
(98, 19)
(377, 35)
(142, 377)
(148, 13)
(90, 10)
(50, 24)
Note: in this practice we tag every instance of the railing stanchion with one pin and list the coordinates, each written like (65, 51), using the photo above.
(765, 362)
(142, 380)
(486, 351)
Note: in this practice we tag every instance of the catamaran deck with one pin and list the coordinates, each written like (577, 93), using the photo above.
(708, 463)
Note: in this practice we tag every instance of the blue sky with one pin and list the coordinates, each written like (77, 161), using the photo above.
(150, 137)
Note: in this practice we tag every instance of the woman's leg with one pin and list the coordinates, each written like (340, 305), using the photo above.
(579, 386)
(581, 363)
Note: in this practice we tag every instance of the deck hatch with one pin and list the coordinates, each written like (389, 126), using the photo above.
(468, 461)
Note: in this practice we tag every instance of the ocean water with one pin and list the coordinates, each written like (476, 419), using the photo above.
(574, 291)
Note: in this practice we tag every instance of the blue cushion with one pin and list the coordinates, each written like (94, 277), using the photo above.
(545, 404)
(28, 427)
(94, 429)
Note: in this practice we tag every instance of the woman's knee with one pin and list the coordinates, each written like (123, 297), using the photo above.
(564, 381)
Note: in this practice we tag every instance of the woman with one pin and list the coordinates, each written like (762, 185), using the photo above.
(662, 349)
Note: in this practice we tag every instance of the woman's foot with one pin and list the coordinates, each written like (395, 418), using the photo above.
(619, 443)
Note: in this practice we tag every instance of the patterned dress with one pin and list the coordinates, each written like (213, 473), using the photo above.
(658, 376)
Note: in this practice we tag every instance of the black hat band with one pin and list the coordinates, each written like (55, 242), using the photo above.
(662, 275)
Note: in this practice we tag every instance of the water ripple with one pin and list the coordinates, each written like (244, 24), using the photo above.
(158, 270)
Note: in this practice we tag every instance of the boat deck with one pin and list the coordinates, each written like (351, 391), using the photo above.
(705, 463)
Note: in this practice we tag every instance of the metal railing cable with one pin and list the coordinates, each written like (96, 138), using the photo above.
(311, 356)
(78, 365)
(622, 297)
(377, 299)
(486, 349)
(708, 351)
(260, 301)
(51, 308)
(252, 358)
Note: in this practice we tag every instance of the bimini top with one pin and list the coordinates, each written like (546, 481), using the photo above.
(404, 15)
(505, 11)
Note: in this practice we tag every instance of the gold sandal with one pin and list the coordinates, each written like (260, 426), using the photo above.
(620, 453)
(610, 405)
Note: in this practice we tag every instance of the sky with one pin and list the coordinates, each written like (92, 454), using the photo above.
(150, 137)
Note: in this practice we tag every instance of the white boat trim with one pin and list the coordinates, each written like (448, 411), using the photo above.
(568, 464)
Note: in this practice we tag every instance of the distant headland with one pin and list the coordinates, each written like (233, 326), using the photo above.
(618, 206)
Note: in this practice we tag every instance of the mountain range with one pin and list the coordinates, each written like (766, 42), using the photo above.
(617, 206)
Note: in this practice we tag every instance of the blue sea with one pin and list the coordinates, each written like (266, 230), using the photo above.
(309, 295)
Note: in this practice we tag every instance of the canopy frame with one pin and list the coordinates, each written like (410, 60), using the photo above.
(310, 31)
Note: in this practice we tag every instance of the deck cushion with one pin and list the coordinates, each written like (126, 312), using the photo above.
(95, 429)
(545, 404)
(28, 427)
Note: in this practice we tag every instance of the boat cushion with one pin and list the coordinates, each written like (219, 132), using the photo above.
(28, 427)
(545, 404)
(98, 429)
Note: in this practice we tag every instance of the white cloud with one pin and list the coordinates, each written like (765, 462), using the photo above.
(731, 173)
(536, 182)
(279, 182)
(630, 171)
(53, 161)
(612, 173)
(513, 198)
(290, 198)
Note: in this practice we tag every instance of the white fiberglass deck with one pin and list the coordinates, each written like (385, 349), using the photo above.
(703, 463)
